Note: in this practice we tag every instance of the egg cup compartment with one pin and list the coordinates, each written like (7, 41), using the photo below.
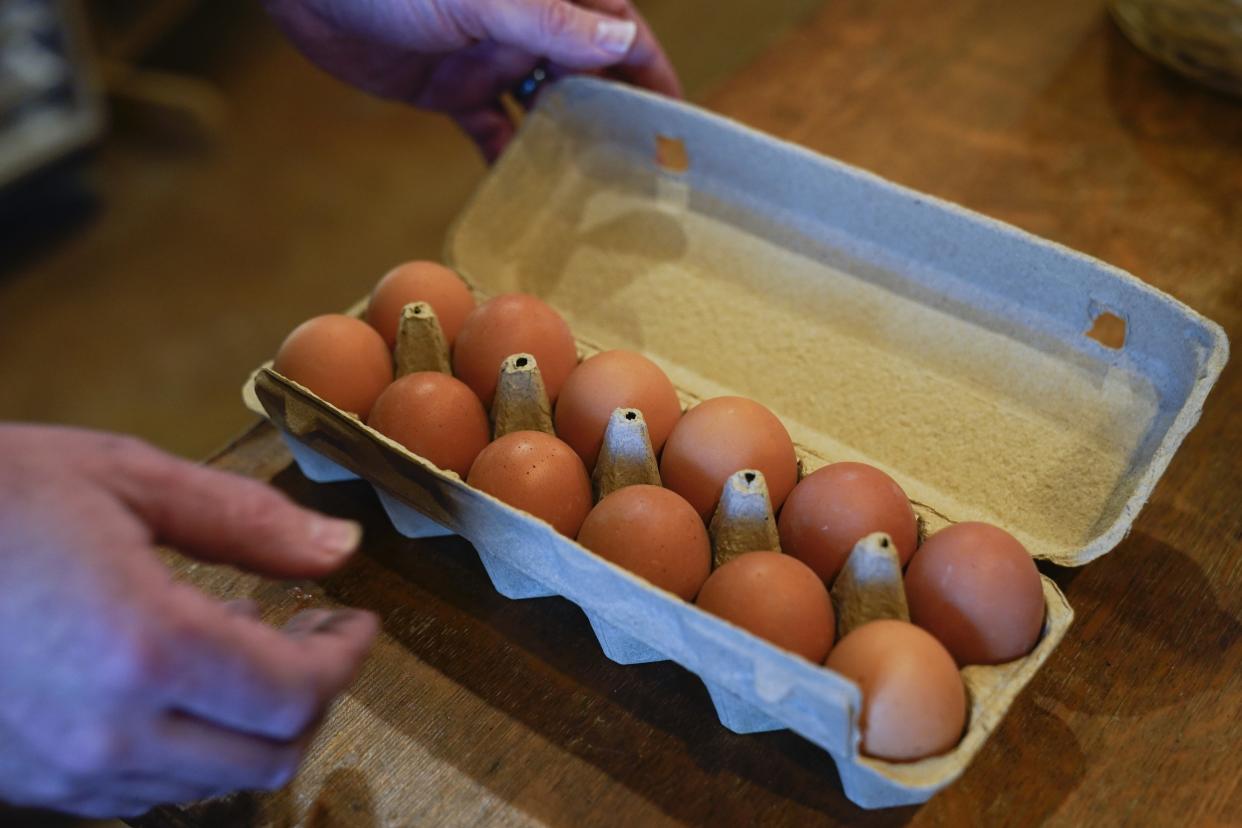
(313, 465)
(879, 324)
(410, 523)
(619, 645)
(507, 579)
(738, 715)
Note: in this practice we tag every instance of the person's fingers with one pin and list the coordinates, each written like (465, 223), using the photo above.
(104, 806)
(152, 790)
(245, 607)
(645, 64)
(489, 127)
(556, 29)
(225, 518)
(243, 675)
(474, 77)
(208, 760)
(306, 622)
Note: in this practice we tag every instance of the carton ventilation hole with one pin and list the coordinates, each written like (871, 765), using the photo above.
(1109, 330)
(520, 362)
(671, 154)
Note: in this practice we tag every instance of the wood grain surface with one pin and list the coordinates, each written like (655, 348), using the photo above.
(475, 709)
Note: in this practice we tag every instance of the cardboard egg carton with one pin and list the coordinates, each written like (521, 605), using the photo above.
(962, 356)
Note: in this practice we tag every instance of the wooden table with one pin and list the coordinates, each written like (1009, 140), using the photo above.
(477, 709)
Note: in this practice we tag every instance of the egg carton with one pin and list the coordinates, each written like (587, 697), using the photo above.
(974, 363)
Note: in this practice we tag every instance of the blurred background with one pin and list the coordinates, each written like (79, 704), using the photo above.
(179, 188)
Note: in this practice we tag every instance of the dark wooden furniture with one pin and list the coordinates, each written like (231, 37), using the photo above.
(476, 709)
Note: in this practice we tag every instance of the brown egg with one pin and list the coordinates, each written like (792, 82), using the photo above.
(513, 324)
(653, 533)
(776, 597)
(606, 382)
(537, 473)
(719, 437)
(340, 359)
(830, 510)
(434, 416)
(914, 702)
(976, 588)
(426, 282)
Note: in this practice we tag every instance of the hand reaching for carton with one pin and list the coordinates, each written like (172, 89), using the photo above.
(459, 56)
(122, 688)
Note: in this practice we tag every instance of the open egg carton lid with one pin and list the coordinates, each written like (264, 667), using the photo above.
(957, 353)
(880, 325)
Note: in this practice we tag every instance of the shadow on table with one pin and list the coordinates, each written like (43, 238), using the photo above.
(1153, 610)
(244, 808)
(1030, 766)
(346, 801)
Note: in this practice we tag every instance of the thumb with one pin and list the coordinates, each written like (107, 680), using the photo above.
(225, 518)
(555, 29)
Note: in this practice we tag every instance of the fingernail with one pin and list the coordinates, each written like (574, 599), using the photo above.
(339, 537)
(306, 622)
(247, 607)
(316, 621)
(335, 620)
(615, 36)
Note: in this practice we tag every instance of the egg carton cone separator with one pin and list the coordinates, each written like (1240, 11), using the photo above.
(869, 586)
(421, 345)
(507, 579)
(743, 521)
(626, 457)
(521, 402)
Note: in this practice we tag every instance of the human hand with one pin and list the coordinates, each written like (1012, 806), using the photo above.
(459, 56)
(121, 689)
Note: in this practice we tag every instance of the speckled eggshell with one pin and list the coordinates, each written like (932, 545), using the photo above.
(420, 281)
(832, 508)
(776, 597)
(976, 589)
(721, 436)
(514, 323)
(434, 416)
(537, 473)
(340, 359)
(653, 533)
(606, 382)
(914, 701)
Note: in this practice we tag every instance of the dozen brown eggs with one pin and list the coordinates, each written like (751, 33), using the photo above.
(974, 594)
